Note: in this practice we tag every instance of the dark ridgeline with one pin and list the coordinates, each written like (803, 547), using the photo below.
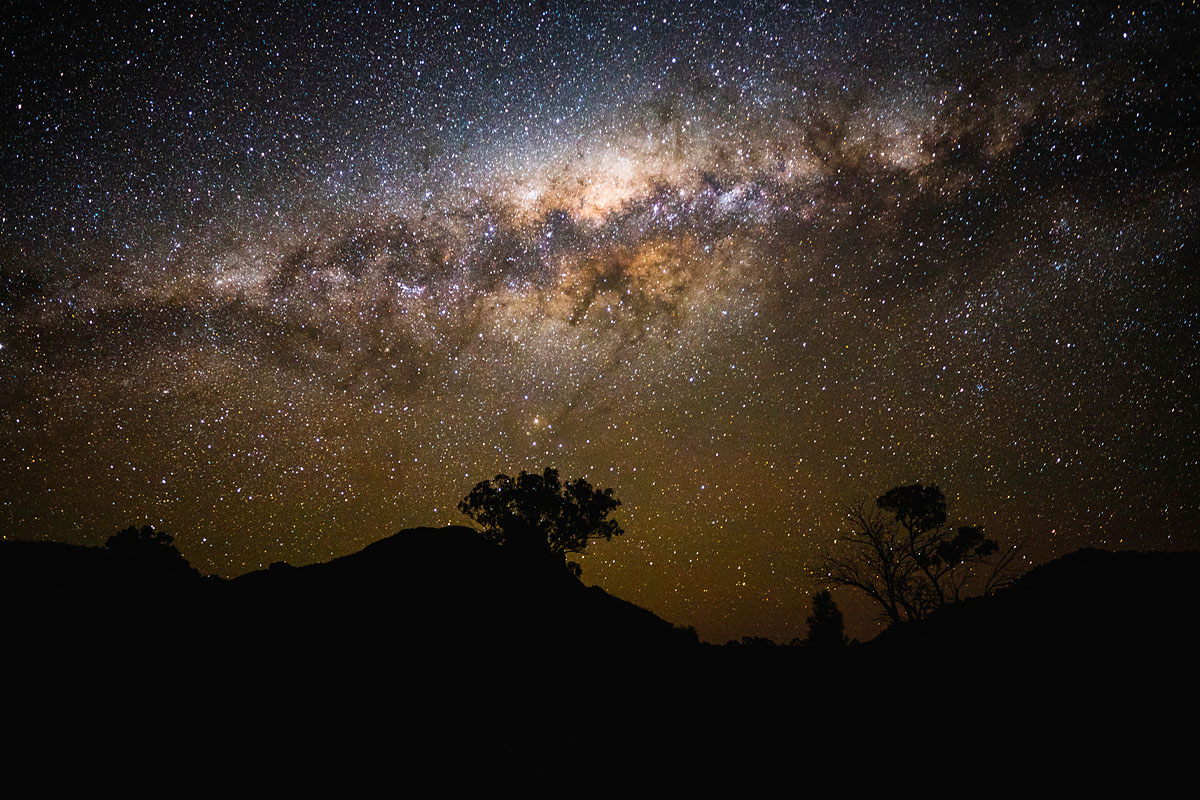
(438, 596)
(423, 593)
(443, 590)
(1092, 607)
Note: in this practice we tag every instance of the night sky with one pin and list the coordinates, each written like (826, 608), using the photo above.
(285, 279)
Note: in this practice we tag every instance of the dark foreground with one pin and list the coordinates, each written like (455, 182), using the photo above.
(427, 608)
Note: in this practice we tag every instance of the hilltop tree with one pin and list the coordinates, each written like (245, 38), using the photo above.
(904, 557)
(538, 514)
(147, 547)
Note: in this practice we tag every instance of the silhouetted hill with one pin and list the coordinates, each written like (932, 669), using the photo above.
(428, 593)
(1086, 605)
(444, 588)
(50, 586)
(422, 592)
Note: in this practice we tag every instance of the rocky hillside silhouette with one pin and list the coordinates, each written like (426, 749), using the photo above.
(423, 591)
(1088, 605)
(432, 592)
(443, 588)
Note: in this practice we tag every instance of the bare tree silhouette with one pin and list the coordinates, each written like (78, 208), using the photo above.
(903, 556)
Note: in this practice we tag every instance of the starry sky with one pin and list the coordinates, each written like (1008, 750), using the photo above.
(283, 279)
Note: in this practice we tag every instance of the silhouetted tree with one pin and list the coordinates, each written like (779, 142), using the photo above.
(825, 624)
(905, 558)
(147, 547)
(538, 514)
(753, 642)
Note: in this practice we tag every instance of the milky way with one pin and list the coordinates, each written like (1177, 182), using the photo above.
(285, 280)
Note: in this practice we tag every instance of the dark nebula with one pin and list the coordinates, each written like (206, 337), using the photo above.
(285, 279)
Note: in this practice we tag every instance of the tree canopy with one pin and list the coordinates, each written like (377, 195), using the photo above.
(825, 625)
(147, 547)
(904, 556)
(539, 514)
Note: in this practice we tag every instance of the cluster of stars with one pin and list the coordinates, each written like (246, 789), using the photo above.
(285, 283)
